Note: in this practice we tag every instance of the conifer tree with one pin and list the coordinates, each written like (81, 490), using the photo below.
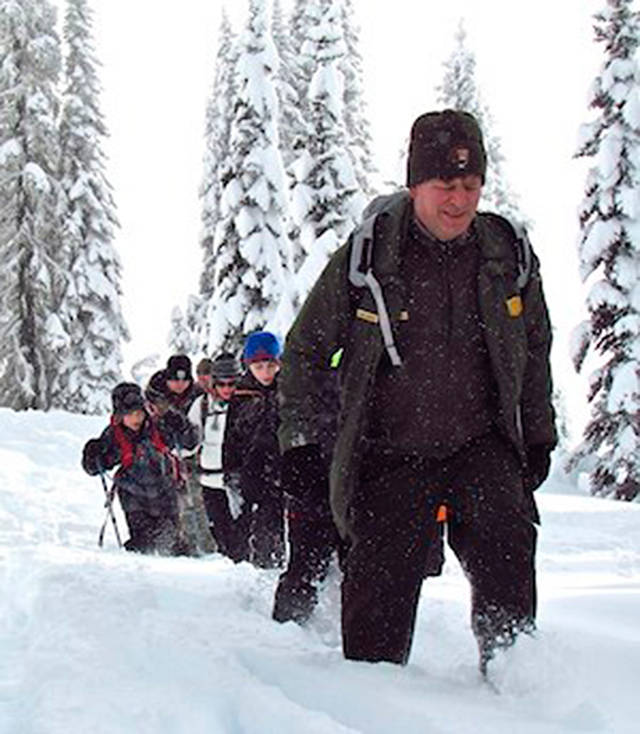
(216, 168)
(293, 127)
(92, 304)
(355, 117)
(216, 156)
(300, 66)
(291, 123)
(459, 90)
(609, 251)
(326, 198)
(33, 340)
(182, 337)
(252, 285)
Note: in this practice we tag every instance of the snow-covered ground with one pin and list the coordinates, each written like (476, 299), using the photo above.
(100, 641)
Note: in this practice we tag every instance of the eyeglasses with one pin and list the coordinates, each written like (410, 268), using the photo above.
(225, 383)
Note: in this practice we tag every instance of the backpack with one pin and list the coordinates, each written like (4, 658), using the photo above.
(127, 450)
(361, 259)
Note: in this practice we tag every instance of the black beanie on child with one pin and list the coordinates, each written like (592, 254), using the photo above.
(225, 366)
(178, 367)
(126, 397)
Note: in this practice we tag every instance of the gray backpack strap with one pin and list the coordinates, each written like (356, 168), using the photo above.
(524, 258)
(383, 315)
(361, 275)
(361, 251)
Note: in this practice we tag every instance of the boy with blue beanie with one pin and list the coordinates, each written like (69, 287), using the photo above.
(251, 455)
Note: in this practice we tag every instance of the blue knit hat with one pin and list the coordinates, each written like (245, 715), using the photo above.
(261, 345)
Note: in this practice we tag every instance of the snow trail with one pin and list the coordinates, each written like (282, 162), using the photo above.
(103, 641)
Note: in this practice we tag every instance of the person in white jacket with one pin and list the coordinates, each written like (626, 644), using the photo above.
(209, 412)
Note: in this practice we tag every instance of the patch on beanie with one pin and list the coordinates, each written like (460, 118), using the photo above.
(460, 158)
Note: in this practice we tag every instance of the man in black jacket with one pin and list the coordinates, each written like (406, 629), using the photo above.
(445, 397)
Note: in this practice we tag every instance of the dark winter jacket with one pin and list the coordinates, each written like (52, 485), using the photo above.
(444, 395)
(148, 477)
(250, 451)
(336, 314)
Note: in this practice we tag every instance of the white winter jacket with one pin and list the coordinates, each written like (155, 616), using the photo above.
(210, 415)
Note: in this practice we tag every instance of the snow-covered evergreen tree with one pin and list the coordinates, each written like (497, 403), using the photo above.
(326, 200)
(92, 305)
(291, 123)
(292, 83)
(183, 337)
(562, 419)
(252, 280)
(216, 167)
(355, 117)
(609, 251)
(459, 90)
(216, 156)
(33, 340)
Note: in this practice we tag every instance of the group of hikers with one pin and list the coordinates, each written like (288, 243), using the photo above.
(437, 414)
(200, 471)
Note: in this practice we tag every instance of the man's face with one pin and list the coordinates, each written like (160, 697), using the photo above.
(178, 386)
(225, 388)
(446, 208)
(265, 370)
(134, 420)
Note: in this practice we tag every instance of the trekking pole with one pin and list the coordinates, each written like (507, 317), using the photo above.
(109, 494)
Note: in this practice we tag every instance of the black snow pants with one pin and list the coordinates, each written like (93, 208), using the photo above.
(221, 522)
(152, 533)
(260, 528)
(390, 523)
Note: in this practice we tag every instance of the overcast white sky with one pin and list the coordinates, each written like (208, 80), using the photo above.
(535, 62)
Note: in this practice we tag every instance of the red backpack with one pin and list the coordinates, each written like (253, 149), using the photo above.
(126, 448)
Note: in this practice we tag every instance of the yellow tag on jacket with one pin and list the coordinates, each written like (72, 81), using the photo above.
(514, 306)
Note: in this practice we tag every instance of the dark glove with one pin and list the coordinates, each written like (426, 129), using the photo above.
(174, 421)
(538, 463)
(304, 474)
(92, 457)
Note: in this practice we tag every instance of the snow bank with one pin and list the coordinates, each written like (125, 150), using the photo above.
(105, 642)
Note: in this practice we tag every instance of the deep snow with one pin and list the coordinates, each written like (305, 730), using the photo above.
(101, 641)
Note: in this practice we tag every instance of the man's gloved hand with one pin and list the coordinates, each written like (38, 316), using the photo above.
(538, 463)
(92, 458)
(304, 475)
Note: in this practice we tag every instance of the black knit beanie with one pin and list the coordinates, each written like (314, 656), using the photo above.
(445, 145)
(156, 389)
(225, 367)
(178, 367)
(126, 397)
